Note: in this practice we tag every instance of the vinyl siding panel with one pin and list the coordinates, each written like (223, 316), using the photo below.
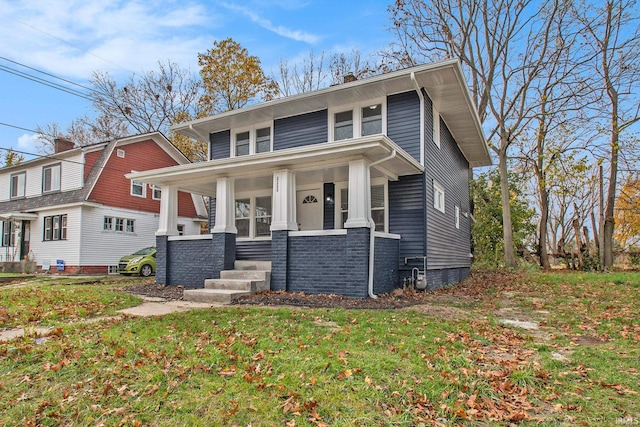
(304, 129)
(406, 216)
(220, 145)
(67, 250)
(403, 121)
(447, 246)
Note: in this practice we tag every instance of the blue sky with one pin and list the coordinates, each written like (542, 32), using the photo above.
(72, 38)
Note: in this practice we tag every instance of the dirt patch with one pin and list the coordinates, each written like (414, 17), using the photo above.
(151, 289)
(588, 340)
(451, 313)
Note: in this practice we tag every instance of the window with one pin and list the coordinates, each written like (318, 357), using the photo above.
(360, 120)
(253, 217)
(55, 227)
(138, 189)
(436, 127)
(457, 217)
(8, 236)
(119, 224)
(263, 216)
(438, 196)
(157, 192)
(378, 213)
(372, 120)
(18, 185)
(131, 225)
(180, 229)
(343, 127)
(108, 223)
(51, 178)
(243, 217)
(252, 141)
(120, 153)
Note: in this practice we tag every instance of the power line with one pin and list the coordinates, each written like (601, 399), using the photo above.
(48, 74)
(44, 82)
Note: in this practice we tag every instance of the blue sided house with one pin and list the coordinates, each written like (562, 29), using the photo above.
(344, 190)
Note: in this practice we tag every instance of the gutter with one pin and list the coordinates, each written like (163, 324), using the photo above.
(421, 97)
(372, 229)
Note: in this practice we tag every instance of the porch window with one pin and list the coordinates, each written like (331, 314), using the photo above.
(18, 185)
(243, 217)
(51, 178)
(343, 128)
(378, 213)
(263, 216)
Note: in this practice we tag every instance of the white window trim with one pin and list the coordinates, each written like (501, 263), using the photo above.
(457, 217)
(356, 108)
(438, 188)
(144, 189)
(252, 212)
(436, 127)
(252, 137)
(53, 166)
(337, 196)
(153, 192)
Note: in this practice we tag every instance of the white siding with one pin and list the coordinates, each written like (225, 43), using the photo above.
(71, 176)
(53, 250)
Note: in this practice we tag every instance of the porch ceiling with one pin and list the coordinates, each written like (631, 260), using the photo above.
(317, 163)
(443, 81)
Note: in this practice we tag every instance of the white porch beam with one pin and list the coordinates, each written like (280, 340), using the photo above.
(284, 201)
(359, 194)
(225, 206)
(168, 223)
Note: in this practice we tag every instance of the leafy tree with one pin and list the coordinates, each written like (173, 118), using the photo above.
(82, 131)
(486, 229)
(232, 78)
(627, 214)
(12, 158)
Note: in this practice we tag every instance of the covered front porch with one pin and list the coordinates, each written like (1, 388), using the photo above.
(318, 213)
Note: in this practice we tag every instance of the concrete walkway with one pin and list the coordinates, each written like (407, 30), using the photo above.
(150, 307)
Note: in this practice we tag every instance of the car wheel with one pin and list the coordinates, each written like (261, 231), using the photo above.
(146, 270)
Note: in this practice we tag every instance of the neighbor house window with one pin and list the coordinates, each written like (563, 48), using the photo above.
(157, 192)
(131, 223)
(180, 229)
(120, 224)
(51, 178)
(7, 233)
(107, 223)
(138, 189)
(55, 227)
(378, 213)
(18, 185)
(251, 141)
(438, 196)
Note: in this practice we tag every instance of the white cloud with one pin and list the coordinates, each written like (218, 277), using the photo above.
(297, 35)
(28, 143)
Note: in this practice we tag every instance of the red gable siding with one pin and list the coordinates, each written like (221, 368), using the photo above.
(90, 160)
(113, 189)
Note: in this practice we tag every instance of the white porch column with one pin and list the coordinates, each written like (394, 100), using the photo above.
(225, 207)
(168, 224)
(359, 194)
(283, 216)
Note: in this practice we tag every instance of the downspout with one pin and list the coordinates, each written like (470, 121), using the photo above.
(421, 97)
(372, 229)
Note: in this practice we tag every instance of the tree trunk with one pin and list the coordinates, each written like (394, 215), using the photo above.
(507, 229)
(609, 221)
(576, 227)
(542, 229)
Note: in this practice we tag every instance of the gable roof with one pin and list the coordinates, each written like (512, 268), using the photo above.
(443, 81)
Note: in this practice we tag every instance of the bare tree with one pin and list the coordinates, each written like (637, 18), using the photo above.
(82, 131)
(342, 64)
(503, 46)
(306, 76)
(612, 44)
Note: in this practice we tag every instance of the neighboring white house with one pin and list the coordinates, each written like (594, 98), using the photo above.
(75, 210)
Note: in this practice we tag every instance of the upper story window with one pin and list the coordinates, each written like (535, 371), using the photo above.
(51, 178)
(357, 120)
(256, 139)
(18, 182)
(438, 196)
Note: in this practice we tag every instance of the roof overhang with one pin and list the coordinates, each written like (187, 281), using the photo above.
(444, 82)
(18, 216)
(312, 164)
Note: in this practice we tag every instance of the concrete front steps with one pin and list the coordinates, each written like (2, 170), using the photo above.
(247, 277)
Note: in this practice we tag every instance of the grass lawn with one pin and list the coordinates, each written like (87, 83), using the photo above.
(449, 362)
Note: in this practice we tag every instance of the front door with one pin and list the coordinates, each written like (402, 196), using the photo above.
(26, 237)
(309, 213)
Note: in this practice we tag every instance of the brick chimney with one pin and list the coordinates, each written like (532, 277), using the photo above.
(62, 144)
(348, 78)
